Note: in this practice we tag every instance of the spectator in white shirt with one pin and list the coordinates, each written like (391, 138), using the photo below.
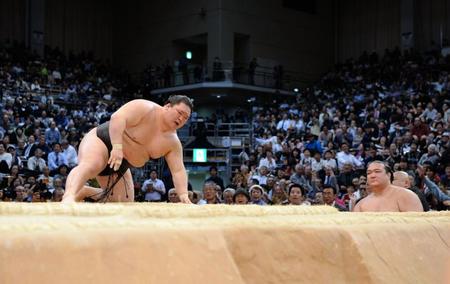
(317, 163)
(5, 157)
(430, 112)
(154, 188)
(56, 158)
(284, 123)
(299, 125)
(329, 161)
(345, 157)
(274, 141)
(69, 153)
(261, 176)
(36, 163)
(46, 179)
(268, 161)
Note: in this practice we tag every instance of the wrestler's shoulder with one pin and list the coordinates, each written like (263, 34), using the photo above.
(403, 192)
(172, 137)
(369, 198)
(145, 103)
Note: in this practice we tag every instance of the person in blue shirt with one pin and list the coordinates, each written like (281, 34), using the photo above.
(313, 144)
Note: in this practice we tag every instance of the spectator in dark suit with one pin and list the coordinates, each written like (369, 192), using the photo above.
(214, 177)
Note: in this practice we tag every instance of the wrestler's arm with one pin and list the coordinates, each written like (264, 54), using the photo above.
(357, 207)
(174, 159)
(130, 114)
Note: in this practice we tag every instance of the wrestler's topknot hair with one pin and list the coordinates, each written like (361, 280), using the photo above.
(176, 99)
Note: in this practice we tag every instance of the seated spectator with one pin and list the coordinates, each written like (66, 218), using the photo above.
(345, 157)
(209, 194)
(227, 195)
(15, 158)
(278, 196)
(330, 178)
(19, 194)
(238, 181)
(194, 196)
(56, 159)
(69, 153)
(346, 176)
(312, 144)
(5, 159)
(284, 123)
(257, 195)
(20, 149)
(17, 136)
(329, 161)
(297, 195)
(42, 144)
(62, 173)
(330, 198)
(241, 197)
(52, 134)
(439, 199)
(318, 199)
(445, 178)
(268, 161)
(45, 178)
(173, 196)
(214, 177)
(57, 194)
(420, 128)
(306, 159)
(261, 176)
(432, 156)
(36, 163)
(36, 196)
(30, 147)
(58, 183)
(299, 176)
(317, 163)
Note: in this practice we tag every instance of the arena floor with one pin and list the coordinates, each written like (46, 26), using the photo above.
(173, 243)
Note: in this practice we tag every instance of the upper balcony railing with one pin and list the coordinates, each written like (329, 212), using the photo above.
(261, 76)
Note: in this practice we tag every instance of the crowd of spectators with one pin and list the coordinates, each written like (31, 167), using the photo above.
(393, 109)
(47, 105)
(312, 150)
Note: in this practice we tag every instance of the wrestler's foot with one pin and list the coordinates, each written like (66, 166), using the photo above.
(68, 199)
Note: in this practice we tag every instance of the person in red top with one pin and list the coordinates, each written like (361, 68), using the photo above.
(419, 128)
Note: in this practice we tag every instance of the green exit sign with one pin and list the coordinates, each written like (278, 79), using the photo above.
(200, 156)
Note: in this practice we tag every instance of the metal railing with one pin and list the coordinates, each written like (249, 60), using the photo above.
(262, 76)
(227, 129)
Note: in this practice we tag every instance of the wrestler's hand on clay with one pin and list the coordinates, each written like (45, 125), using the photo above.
(184, 198)
(116, 157)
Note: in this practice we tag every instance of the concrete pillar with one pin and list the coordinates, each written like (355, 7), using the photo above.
(220, 41)
(36, 25)
(407, 24)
